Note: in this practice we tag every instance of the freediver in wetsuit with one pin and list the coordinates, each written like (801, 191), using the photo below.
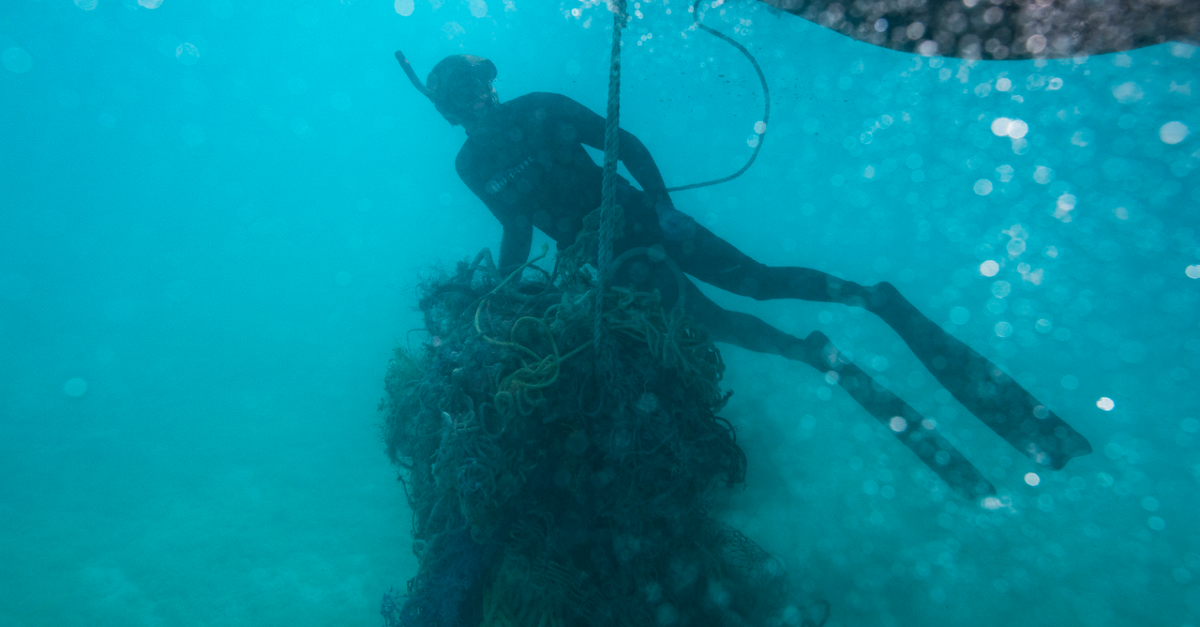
(525, 160)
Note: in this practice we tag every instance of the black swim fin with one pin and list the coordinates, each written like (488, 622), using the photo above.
(981, 386)
(917, 434)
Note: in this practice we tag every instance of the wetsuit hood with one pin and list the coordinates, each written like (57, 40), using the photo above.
(456, 81)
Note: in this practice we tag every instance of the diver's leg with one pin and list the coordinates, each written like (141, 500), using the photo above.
(985, 390)
(981, 386)
(719, 263)
(816, 350)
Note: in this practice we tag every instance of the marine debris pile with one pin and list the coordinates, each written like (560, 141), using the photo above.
(553, 484)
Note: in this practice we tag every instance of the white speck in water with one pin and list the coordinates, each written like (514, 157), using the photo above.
(1105, 403)
(1128, 92)
(989, 268)
(1032, 478)
(187, 53)
(1173, 132)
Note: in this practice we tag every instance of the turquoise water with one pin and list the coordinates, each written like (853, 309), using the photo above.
(213, 216)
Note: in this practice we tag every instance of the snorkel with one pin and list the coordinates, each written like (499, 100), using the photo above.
(412, 76)
(457, 86)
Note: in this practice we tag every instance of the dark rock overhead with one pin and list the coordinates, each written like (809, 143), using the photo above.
(1005, 29)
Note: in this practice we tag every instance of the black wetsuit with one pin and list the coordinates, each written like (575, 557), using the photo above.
(526, 162)
(528, 165)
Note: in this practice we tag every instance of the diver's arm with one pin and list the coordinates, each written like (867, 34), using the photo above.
(518, 230)
(589, 129)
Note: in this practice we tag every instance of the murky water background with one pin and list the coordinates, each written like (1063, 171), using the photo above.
(213, 214)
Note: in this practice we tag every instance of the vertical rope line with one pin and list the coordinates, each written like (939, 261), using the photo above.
(608, 206)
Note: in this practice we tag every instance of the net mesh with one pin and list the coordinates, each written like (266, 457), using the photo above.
(555, 485)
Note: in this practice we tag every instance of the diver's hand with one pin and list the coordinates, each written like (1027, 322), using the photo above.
(675, 224)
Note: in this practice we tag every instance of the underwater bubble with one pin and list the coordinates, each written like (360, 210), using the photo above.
(16, 60)
(150, 4)
(897, 424)
(1156, 523)
(1000, 289)
(1173, 132)
(989, 268)
(404, 7)
(1150, 504)
(1105, 403)
(960, 315)
(1003, 329)
(478, 8)
(1127, 92)
(983, 187)
(75, 387)
(1004, 84)
(1032, 478)
(187, 53)
(1000, 126)
(1017, 129)
(1192, 272)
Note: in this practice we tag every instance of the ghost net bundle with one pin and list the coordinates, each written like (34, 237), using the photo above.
(555, 485)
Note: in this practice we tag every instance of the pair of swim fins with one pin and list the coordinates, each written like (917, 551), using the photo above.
(978, 384)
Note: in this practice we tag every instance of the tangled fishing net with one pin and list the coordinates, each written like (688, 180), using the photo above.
(553, 484)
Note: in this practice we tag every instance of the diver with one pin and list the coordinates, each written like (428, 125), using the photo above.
(525, 160)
